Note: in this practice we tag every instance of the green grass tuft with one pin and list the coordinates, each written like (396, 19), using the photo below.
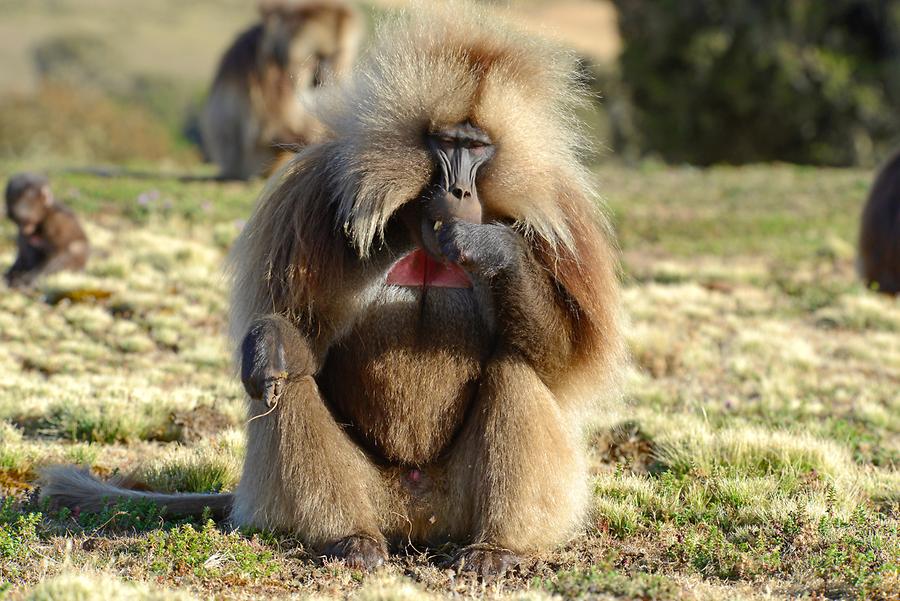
(207, 552)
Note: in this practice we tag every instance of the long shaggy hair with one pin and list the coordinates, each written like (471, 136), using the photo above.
(436, 67)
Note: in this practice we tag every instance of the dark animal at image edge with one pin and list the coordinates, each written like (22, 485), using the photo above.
(879, 237)
(426, 310)
(49, 237)
(253, 115)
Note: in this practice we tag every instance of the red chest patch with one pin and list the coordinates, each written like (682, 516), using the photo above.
(419, 270)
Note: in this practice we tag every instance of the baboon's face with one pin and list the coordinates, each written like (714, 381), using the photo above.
(28, 210)
(458, 152)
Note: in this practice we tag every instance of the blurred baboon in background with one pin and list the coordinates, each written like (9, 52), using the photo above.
(50, 238)
(427, 309)
(254, 109)
(879, 238)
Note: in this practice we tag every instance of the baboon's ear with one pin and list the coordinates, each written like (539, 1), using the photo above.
(46, 195)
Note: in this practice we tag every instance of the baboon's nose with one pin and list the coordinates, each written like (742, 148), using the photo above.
(460, 192)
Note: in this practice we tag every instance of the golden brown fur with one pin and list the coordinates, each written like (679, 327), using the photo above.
(879, 237)
(254, 112)
(430, 414)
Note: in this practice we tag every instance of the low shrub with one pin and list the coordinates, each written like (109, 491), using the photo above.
(761, 80)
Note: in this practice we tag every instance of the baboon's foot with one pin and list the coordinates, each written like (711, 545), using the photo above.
(485, 561)
(358, 551)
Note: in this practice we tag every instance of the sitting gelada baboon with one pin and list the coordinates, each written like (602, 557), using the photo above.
(49, 237)
(254, 113)
(879, 237)
(426, 311)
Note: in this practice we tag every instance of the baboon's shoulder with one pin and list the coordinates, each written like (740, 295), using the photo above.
(240, 58)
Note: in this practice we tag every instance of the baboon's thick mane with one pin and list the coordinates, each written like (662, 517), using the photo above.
(438, 67)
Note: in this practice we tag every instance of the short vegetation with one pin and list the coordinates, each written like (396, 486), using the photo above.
(757, 448)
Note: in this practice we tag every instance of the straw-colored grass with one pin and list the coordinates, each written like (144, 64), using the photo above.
(755, 455)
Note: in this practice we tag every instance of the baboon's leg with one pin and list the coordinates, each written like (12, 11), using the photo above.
(302, 473)
(222, 130)
(518, 464)
(73, 257)
(23, 269)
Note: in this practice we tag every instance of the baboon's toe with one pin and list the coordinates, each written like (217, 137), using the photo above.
(484, 561)
(358, 551)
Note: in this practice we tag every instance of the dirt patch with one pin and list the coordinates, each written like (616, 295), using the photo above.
(624, 446)
(198, 423)
(15, 482)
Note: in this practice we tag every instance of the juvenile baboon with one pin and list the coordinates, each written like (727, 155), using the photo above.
(49, 239)
(426, 306)
(254, 107)
(879, 237)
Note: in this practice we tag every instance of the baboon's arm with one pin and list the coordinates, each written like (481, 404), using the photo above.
(533, 314)
(18, 267)
(26, 267)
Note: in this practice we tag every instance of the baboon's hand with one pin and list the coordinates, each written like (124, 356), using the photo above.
(485, 248)
(485, 561)
(263, 363)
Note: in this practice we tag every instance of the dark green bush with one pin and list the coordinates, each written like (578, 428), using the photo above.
(803, 81)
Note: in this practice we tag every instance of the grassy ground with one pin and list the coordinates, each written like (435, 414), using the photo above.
(756, 455)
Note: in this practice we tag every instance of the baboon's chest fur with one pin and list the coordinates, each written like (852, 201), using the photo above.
(404, 377)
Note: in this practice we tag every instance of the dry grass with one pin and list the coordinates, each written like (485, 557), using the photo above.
(59, 120)
(756, 458)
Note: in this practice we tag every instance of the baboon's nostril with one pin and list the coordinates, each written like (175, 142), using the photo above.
(457, 192)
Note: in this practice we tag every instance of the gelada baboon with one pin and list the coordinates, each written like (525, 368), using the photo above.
(49, 239)
(879, 237)
(254, 108)
(427, 309)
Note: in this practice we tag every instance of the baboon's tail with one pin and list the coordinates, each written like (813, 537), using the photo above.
(76, 488)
